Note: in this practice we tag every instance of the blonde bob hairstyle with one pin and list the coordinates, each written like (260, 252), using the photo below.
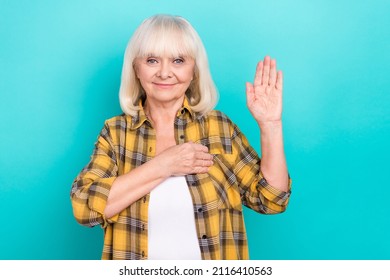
(173, 36)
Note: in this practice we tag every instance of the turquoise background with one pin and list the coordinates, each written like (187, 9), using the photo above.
(60, 66)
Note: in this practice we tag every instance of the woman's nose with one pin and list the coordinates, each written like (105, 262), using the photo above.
(165, 70)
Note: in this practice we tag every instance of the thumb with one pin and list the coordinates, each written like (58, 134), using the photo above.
(249, 92)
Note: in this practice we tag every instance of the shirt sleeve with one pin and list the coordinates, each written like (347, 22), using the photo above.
(255, 191)
(91, 187)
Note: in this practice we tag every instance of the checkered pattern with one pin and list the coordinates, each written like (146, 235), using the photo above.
(234, 180)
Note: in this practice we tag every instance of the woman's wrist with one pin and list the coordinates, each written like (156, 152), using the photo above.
(270, 126)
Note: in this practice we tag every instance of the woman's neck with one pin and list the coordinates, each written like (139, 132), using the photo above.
(162, 114)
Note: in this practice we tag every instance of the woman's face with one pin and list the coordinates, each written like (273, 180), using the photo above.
(165, 79)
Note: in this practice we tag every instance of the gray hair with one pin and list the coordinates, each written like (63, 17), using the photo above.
(173, 36)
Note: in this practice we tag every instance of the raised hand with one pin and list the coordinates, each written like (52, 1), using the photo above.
(264, 96)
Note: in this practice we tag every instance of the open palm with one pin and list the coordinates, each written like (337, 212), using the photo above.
(264, 96)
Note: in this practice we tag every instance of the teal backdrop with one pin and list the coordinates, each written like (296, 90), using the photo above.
(60, 66)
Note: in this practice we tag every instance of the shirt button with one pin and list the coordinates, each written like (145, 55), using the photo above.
(143, 226)
(181, 136)
(143, 254)
(150, 149)
(204, 236)
(200, 210)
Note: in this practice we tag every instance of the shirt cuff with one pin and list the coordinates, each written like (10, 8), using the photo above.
(98, 195)
(272, 193)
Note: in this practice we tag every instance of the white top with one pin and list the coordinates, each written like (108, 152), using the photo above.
(171, 222)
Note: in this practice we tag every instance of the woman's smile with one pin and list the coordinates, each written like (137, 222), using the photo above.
(164, 85)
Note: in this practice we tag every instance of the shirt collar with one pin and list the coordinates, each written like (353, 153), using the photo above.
(140, 118)
(186, 108)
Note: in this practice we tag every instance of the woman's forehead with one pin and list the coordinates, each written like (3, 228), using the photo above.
(171, 44)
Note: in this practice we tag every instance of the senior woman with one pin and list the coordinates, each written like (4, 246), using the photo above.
(168, 178)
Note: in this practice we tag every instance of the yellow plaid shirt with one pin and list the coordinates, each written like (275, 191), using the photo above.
(126, 142)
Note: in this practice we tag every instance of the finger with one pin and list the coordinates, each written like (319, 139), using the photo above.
(249, 88)
(250, 93)
(200, 170)
(203, 163)
(279, 80)
(204, 156)
(266, 69)
(199, 147)
(272, 73)
(258, 74)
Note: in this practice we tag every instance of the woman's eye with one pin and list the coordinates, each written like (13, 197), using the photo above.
(178, 61)
(151, 61)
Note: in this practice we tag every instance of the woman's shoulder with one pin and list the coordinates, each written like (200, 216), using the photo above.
(119, 120)
(116, 128)
(220, 120)
(218, 116)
